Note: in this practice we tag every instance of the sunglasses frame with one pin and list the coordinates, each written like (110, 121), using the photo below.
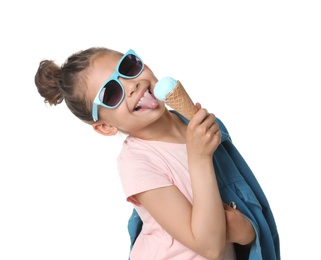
(97, 102)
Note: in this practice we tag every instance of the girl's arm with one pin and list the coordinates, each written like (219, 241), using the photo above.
(239, 228)
(201, 226)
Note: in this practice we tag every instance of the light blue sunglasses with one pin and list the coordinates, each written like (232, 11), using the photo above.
(112, 92)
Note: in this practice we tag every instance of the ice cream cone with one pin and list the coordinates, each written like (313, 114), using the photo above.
(179, 100)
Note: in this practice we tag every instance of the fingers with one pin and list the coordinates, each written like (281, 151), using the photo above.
(198, 106)
(201, 116)
(213, 126)
(203, 133)
(204, 123)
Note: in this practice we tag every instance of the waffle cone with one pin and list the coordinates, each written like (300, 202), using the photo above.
(179, 100)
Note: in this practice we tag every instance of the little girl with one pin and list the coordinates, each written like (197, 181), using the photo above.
(178, 175)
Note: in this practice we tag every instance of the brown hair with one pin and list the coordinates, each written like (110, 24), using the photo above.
(68, 82)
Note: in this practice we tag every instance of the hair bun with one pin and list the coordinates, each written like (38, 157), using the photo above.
(47, 82)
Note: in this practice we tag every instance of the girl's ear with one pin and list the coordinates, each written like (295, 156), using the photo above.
(104, 129)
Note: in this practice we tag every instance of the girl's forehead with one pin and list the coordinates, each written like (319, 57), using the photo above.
(105, 64)
(106, 59)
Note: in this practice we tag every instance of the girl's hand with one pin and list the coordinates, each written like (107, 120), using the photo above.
(238, 228)
(203, 135)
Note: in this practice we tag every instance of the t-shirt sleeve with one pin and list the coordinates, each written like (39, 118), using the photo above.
(141, 172)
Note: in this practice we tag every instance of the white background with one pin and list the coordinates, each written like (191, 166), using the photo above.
(255, 64)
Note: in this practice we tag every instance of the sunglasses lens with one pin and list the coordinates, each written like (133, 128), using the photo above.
(111, 94)
(131, 66)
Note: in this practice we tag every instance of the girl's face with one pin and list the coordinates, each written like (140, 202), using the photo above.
(139, 108)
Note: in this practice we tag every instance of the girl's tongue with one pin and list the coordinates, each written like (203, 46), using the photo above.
(147, 101)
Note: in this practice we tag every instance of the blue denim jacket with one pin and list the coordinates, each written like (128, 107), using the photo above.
(237, 184)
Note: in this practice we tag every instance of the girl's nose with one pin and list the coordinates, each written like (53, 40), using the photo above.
(130, 86)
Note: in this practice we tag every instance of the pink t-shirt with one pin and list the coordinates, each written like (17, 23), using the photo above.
(145, 165)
